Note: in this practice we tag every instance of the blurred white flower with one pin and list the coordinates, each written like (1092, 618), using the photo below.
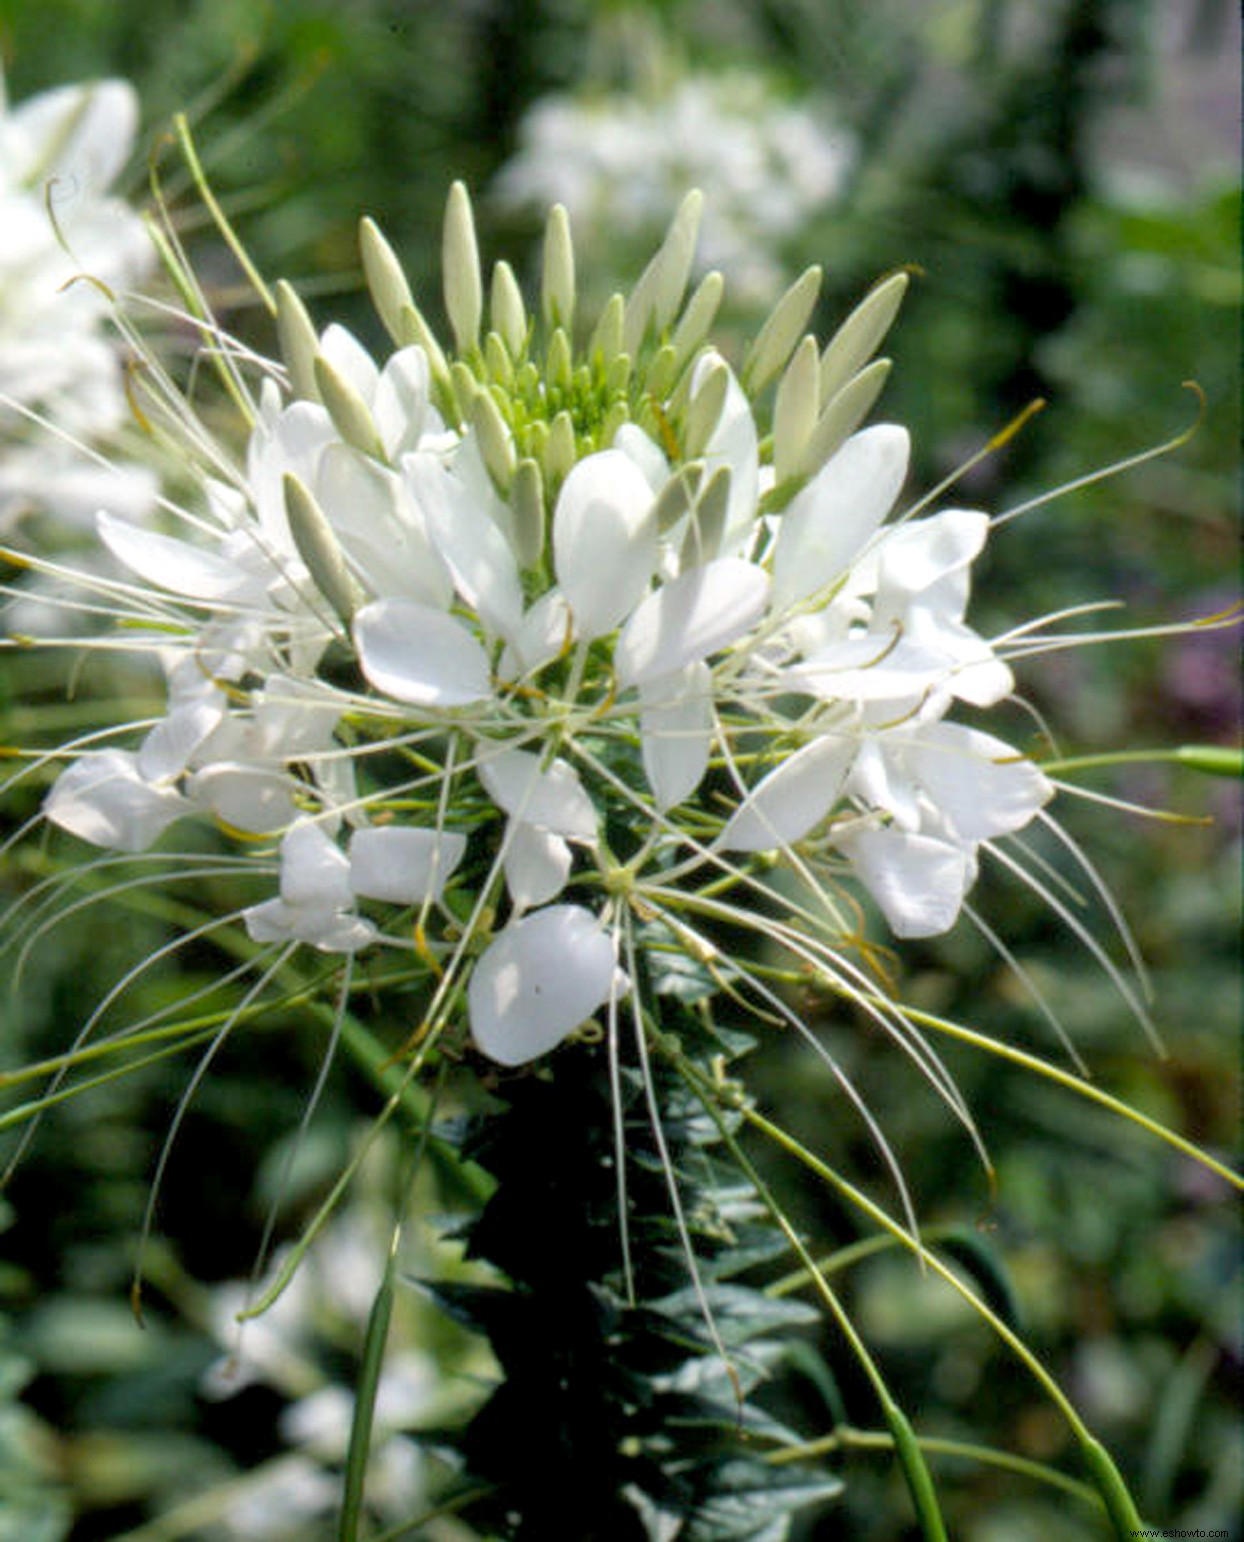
(326, 1303)
(621, 164)
(67, 241)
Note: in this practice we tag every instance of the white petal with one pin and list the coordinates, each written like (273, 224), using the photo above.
(918, 882)
(541, 978)
(314, 869)
(537, 865)
(552, 798)
(103, 799)
(734, 444)
(676, 721)
(329, 930)
(645, 452)
(379, 528)
(792, 799)
(401, 404)
(544, 633)
(402, 864)
(828, 524)
(604, 540)
(80, 134)
(471, 543)
(246, 797)
(870, 668)
(689, 618)
(174, 565)
(880, 780)
(349, 359)
(295, 718)
(983, 786)
(168, 748)
(923, 552)
(420, 655)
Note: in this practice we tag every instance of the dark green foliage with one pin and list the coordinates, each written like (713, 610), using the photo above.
(615, 1419)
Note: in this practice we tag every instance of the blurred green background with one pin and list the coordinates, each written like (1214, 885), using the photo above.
(1063, 175)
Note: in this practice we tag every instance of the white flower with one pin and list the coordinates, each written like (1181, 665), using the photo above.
(319, 882)
(592, 652)
(64, 148)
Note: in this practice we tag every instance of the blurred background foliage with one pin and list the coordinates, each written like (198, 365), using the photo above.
(1063, 177)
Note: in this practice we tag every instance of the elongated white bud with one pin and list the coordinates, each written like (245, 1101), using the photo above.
(557, 288)
(465, 388)
(704, 413)
(299, 344)
(656, 297)
(708, 521)
(843, 415)
(785, 325)
(694, 323)
(318, 547)
(795, 410)
(349, 412)
(678, 495)
(386, 282)
(860, 335)
(607, 335)
(558, 362)
(527, 507)
(498, 362)
(464, 288)
(559, 452)
(506, 310)
(495, 444)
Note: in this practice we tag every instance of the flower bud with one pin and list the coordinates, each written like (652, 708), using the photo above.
(843, 415)
(318, 547)
(860, 335)
(495, 443)
(527, 507)
(694, 324)
(506, 309)
(607, 335)
(557, 362)
(560, 451)
(656, 297)
(350, 414)
(464, 290)
(795, 410)
(299, 344)
(386, 283)
(557, 289)
(704, 413)
(776, 340)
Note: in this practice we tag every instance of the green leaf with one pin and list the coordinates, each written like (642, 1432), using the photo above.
(752, 1501)
(974, 1254)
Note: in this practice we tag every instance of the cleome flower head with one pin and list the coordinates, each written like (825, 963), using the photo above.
(504, 651)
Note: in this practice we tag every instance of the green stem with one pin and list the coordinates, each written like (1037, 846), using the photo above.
(203, 187)
(1212, 759)
(1111, 1489)
(880, 1440)
(906, 1447)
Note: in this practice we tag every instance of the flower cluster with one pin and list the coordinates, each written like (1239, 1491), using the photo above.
(494, 652)
(60, 152)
